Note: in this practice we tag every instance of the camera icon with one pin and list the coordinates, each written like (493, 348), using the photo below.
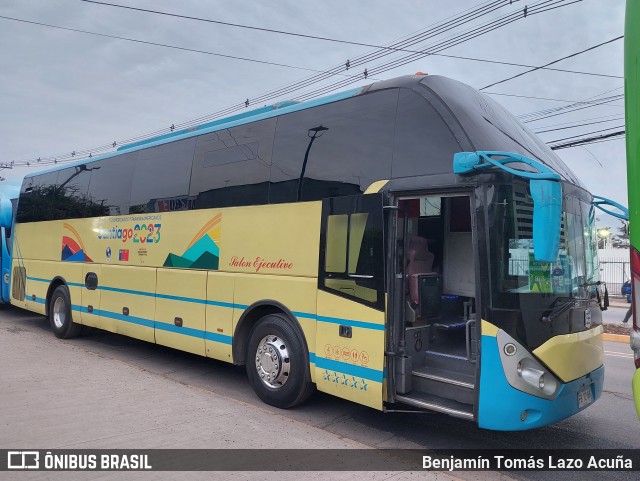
(23, 460)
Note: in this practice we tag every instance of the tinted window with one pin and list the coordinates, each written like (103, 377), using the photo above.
(231, 166)
(110, 185)
(490, 126)
(423, 142)
(77, 203)
(161, 178)
(347, 146)
(230, 155)
(351, 256)
(37, 198)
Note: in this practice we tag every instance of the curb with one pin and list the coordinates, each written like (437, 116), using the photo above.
(615, 337)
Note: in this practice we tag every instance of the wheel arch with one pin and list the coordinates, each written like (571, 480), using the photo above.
(56, 282)
(249, 319)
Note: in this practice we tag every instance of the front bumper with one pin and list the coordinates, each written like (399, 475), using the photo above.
(504, 408)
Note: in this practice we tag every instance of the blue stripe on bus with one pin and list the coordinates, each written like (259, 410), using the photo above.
(349, 322)
(39, 279)
(185, 331)
(305, 315)
(338, 320)
(189, 331)
(230, 305)
(359, 371)
(221, 338)
(180, 298)
(141, 321)
(126, 291)
(39, 300)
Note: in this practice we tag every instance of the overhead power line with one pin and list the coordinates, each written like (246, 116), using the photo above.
(553, 62)
(342, 41)
(252, 27)
(582, 135)
(513, 64)
(434, 48)
(435, 29)
(603, 118)
(365, 59)
(277, 64)
(157, 44)
(545, 114)
(588, 140)
(578, 125)
(593, 100)
(528, 97)
(445, 26)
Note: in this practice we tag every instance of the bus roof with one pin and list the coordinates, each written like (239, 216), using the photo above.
(479, 122)
(266, 112)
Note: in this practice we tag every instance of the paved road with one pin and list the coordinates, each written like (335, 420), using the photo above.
(151, 396)
(615, 314)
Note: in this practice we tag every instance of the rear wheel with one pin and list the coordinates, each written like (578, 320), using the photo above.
(60, 314)
(277, 366)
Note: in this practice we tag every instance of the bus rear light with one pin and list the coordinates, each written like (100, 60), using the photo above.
(635, 286)
(635, 292)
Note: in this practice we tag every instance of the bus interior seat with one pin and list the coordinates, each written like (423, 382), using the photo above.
(419, 262)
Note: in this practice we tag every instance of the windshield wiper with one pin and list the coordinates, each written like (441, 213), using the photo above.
(559, 307)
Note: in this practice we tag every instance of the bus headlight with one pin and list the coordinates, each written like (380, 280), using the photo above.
(523, 371)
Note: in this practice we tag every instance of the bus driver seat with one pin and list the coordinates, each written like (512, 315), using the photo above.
(420, 261)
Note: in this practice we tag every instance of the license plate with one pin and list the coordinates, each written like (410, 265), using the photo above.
(584, 397)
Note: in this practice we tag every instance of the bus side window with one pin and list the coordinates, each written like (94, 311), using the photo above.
(336, 250)
(351, 255)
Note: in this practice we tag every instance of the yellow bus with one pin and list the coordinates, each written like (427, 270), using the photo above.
(405, 245)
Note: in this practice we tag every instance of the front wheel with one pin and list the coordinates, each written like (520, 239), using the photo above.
(277, 366)
(60, 314)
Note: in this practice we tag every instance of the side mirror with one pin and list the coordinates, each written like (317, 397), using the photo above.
(546, 191)
(6, 210)
(547, 219)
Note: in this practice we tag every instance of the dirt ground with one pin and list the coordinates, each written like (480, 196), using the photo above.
(616, 329)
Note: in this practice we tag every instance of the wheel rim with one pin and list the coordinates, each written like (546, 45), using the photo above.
(272, 361)
(59, 312)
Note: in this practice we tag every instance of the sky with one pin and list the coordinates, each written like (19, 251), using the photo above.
(64, 91)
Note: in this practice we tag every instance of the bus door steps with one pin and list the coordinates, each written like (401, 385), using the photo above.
(439, 404)
(447, 355)
(446, 383)
(450, 361)
(450, 326)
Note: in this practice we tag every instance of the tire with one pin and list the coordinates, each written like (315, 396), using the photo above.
(277, 365)
(60, 314)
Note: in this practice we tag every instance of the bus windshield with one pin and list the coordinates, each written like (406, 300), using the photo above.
(515, 271)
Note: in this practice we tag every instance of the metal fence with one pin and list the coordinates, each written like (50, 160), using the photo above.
(614, 272)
